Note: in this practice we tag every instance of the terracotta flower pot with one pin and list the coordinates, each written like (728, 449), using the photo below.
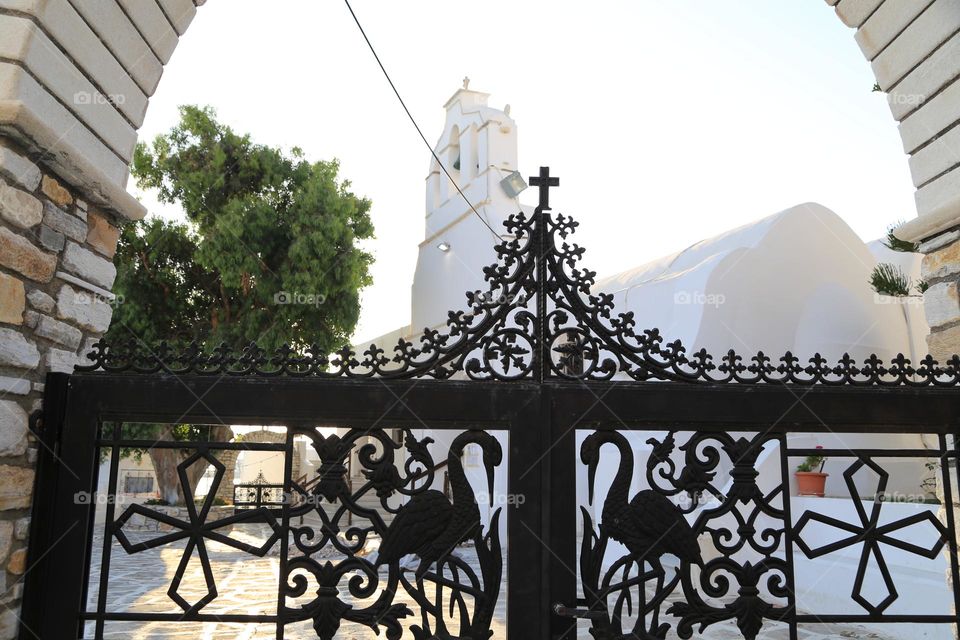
(810, 483)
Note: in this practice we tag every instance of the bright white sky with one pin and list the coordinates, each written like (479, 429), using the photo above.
(667, 122)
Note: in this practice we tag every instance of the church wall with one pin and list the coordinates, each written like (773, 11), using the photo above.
(442, 278)
(452, 206)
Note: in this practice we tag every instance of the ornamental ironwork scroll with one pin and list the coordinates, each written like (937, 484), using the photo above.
(427, 525)
(650, 525)
(328, 575)
(728, 538)
(539, 317)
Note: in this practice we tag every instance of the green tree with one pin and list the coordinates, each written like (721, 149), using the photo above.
(269, 252)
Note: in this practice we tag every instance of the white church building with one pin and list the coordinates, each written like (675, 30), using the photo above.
(797, 280)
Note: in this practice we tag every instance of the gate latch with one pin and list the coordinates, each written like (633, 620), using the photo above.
(564, 611)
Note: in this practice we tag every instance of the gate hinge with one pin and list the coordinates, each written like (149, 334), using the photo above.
(564, 611)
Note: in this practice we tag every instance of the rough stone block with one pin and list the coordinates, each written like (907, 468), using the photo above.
(59, 220)
(60, 361)
(83, 308)
(59, 332)
(52, 188)
(18, 562)
(938, 242)
(17, 351)
(89, 265)
(51, 240)
(16, 487)
(13, 594)
(41, 301)
(933, 27)
(19, 208)
(9, 623)
(12, 299)
(17, 168)
(22, 529)
(30, 319)
(942, 262)
(13, 430)
(19, 254)
(929, 120)
(15, 386)
(83, 284)
(941, 304)
(102, 235)
(6, 538)
(887, 21)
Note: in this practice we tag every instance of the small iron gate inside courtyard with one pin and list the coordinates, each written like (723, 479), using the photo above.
(602, 483)
(258, 494)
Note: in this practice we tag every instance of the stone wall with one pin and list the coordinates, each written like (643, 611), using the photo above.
(75, 80)
(56, 271)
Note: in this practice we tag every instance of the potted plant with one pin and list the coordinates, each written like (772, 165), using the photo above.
(810, 476)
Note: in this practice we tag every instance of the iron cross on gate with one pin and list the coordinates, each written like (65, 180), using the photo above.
(544, 181)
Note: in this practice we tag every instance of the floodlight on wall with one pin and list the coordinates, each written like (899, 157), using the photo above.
(444, 246)
(513, 184)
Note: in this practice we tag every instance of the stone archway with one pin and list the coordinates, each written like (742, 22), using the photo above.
(229, 460)
(75, 83)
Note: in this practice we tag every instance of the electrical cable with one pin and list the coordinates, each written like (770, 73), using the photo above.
(415, 125)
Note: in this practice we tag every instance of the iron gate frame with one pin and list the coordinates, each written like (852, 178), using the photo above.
(78, 404)
(541, 420)
(541, 371)
(775, 410)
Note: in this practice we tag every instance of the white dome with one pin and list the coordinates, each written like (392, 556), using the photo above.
(797, 280)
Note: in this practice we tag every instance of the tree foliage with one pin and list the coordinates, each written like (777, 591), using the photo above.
(270, 252)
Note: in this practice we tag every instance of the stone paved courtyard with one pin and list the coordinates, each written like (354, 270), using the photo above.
(248, 585)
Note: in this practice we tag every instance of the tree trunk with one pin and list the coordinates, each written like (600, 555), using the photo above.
(166, 461)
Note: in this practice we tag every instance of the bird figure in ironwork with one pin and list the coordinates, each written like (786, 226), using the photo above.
(649, 525)
(430, 525)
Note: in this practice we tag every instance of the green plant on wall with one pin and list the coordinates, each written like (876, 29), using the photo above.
(894, 243)
(812, 463)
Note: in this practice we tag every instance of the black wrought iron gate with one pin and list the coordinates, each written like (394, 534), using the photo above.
(600, 482)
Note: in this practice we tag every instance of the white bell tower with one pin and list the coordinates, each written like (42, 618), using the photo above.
(478, 148)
